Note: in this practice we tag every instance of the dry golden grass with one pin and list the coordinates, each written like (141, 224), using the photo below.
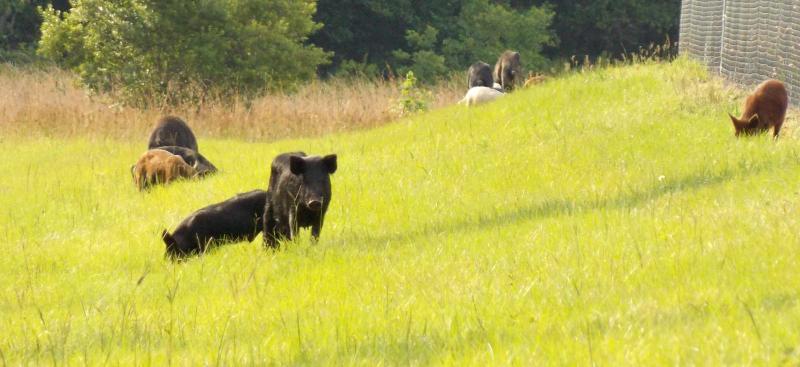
(51, 103)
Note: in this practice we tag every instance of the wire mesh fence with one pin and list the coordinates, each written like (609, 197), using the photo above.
(746, 41)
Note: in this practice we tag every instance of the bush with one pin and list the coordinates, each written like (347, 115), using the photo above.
(480, 31)
(412, 99)
(424, 62)
(433, 37)
(488, 29)
(355, 69)
(19, 27)
(173, 51)
(21, 56)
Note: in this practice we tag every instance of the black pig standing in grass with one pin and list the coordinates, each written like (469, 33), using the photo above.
(300, 192)
(236, 219)
(172, 131)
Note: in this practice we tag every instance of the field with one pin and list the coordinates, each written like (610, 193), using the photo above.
(50, 102)
(607, 217)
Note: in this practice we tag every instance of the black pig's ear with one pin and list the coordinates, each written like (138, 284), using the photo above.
(297, 165)
(330, 163)
(168, 239)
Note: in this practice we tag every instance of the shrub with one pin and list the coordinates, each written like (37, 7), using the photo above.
(481, 31)
(412, 99)
(424, 62)
(172, 51)
(19, 27)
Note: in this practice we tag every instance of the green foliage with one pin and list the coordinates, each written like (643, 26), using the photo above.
(422, 40)
(154, 51)
(19, 26)
(480, 31)
(412, 99)
(423, 61)
(488, 29)
(438, 36)
(358, 69)
(20, 55)
(355, 29)
(611, 27)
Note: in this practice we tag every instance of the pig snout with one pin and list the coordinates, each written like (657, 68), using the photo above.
(314, 204)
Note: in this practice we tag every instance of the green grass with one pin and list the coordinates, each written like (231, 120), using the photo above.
(607, 218)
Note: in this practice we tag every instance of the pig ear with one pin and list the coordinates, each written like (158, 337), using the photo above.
(297, 165)
(736, 123)
(168, 239)
(753, 122)
(330, 163)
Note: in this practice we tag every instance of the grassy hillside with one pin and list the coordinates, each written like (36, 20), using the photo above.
(608, 217)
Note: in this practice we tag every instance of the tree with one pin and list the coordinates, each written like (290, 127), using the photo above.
(430, 37)
(19, 22)
(365, 31)
(485, 30)
(155, 51)
(611, 27)
(423, 61)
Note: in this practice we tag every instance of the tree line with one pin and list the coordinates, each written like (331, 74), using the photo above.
(161, 47)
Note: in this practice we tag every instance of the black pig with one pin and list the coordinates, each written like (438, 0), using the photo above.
(300, 192)
(480, 75)
(507, 69)
(232, 220)
(171, 130)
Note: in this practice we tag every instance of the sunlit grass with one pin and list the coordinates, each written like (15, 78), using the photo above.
(607, 217)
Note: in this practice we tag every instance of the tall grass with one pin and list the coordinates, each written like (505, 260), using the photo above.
(608, 217)
(50, 103)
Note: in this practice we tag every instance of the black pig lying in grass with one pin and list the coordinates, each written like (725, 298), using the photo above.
(236, 219)
(300, 192)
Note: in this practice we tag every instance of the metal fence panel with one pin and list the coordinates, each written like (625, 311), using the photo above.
(746, 41)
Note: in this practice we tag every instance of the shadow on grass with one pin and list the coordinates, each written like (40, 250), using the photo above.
(558, 207)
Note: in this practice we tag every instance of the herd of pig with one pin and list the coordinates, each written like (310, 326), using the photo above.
(486, 84)
(297, 196)
(299, 189)
(764, 109)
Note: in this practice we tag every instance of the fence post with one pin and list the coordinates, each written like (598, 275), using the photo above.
(722, 37)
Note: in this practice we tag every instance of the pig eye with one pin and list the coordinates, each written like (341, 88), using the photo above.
(296, 165)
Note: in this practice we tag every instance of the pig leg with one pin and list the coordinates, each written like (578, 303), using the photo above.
(316, 228)
(271, 237)
(270, 227)
(292, 223)
(776, 130)
(285, 226)
(276, 229)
